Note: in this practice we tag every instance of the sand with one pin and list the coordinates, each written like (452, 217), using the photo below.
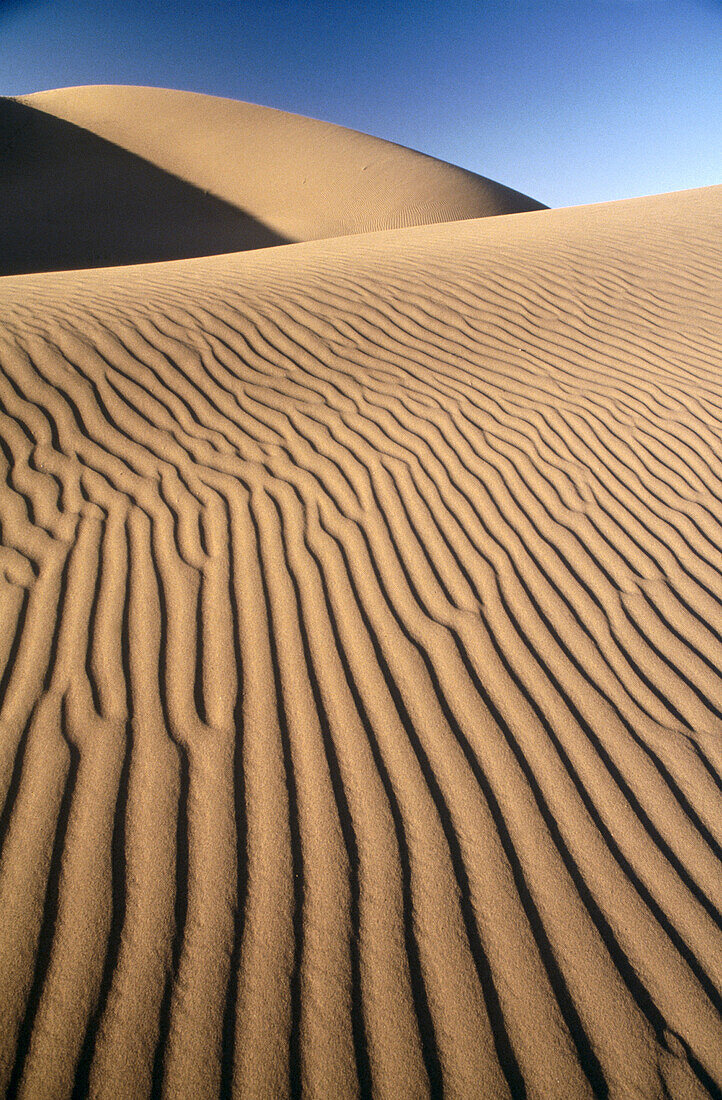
(360, 664)
(100, 176)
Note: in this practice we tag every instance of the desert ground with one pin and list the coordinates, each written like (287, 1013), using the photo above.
(360, 619)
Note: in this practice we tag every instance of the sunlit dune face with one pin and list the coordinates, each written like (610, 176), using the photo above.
(97, 177)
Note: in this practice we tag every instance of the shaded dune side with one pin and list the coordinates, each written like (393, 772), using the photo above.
(303, 178)
(362, 705)
(71, 199)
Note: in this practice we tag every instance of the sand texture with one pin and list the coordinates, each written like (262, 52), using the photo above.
(96, 176)
(361, 608)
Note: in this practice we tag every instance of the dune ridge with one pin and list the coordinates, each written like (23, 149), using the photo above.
(362, 698)
(101, 176)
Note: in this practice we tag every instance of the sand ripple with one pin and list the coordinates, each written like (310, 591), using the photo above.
(361, 680)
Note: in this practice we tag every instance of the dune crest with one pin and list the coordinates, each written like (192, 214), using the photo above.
(99, 176)
(361, 693)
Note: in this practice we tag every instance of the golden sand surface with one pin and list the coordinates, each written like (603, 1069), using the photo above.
(101, 176)
(360, 662)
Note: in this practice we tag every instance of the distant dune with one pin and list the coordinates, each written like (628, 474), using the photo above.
(361, 609)
(99, 176)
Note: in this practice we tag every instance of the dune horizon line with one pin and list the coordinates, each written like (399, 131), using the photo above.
(99, 176)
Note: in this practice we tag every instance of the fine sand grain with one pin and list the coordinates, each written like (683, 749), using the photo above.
(361, 609)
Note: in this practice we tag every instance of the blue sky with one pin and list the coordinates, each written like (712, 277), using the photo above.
(571, 101)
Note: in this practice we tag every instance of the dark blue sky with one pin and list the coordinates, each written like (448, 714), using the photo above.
(572, 101)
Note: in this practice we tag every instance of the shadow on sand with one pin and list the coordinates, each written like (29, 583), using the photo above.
(70, 199)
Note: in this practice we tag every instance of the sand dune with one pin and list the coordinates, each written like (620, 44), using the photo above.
(94, 177)
(361, 665)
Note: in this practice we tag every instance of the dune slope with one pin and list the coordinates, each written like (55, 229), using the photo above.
(70, 199)
(99, 176)
(361, 695)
